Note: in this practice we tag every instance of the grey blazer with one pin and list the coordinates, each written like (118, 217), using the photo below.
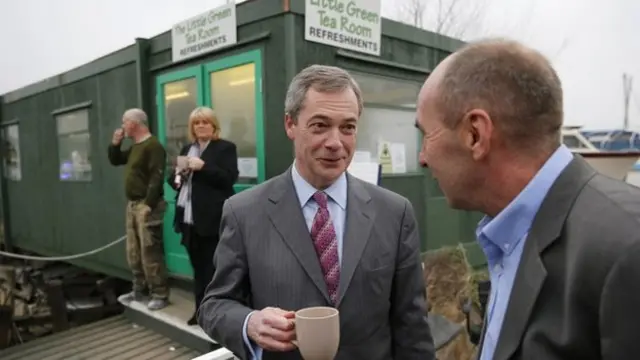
(577, 291)
(266, 258)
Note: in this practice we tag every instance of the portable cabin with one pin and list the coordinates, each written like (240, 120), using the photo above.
(61, 196)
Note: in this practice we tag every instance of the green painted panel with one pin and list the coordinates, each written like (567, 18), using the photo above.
(71, 217)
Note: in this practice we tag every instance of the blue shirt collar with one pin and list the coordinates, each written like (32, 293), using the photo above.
(337, 191)
(507, 229)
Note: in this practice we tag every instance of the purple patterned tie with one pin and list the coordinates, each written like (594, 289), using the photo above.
(324, 239)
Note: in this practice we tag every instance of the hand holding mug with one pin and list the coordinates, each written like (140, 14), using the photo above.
(272, 329)
(195, 163)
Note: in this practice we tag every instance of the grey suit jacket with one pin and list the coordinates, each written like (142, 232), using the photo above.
(577, 290)
(266, 258)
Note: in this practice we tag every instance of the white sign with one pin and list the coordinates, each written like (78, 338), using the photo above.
(398, 158)
(367, 171)
(347, 24)
(248, 167)
(204, 33)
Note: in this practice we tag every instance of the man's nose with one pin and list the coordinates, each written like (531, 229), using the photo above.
(333, 140)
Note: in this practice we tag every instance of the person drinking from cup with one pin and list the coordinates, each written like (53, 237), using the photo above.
(204, 176)
(144, 176)
(317, 236)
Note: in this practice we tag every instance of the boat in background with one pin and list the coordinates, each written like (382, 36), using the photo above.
(633, 177)
(612, 153)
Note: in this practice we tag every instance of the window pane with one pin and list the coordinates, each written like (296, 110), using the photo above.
(572, 142)
(395, 127)
(73, 122)
(180, 98)
(385, 91)
(233, 97)
(74, 145)
(11, 152)
(74, 152)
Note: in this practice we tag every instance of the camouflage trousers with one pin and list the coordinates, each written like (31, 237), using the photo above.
(145, 249)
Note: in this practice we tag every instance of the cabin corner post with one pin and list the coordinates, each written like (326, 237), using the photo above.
(290, 59)
(4, 191)
(142, 75)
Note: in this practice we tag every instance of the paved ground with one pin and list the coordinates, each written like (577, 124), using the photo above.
(115, 338)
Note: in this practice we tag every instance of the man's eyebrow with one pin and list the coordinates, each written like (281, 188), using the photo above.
(320, 117)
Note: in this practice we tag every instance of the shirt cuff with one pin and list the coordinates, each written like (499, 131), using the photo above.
(255, 350)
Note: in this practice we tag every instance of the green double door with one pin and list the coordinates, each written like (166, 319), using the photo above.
(232, 87)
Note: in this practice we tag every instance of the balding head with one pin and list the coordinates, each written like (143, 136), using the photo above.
(135, 123)
(137, 116)
(515, 85)
(491, 114)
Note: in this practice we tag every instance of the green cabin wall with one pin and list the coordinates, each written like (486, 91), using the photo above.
(52, 217)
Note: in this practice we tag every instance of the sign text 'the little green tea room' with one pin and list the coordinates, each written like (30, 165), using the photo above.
(348, 24)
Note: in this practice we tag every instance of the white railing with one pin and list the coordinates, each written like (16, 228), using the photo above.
(220, 354)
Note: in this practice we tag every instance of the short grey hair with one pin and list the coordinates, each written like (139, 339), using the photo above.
(322, 78)
(137, 116)
(516, 85)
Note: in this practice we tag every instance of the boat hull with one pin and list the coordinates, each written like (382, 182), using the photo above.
(617, 165)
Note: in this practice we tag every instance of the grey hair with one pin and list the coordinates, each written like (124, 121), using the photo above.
(322, 78)
(137, 116)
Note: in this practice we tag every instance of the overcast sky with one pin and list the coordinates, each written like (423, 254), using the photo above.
(590, 43)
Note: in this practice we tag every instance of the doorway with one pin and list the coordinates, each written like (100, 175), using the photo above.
(232, 87)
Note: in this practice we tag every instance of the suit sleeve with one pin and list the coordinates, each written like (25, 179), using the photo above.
(410, 333)
(619, 315)
(225, 305)
(221, 171)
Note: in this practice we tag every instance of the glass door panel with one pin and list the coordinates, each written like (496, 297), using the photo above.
(180, 98)
(233, 88)
(233, 98)
(178, 94)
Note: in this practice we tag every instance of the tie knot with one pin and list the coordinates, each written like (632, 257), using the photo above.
(320, 198)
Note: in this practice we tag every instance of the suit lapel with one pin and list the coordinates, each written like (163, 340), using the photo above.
(482, 334)
(546, 228)
(286, 216)
(359, 220)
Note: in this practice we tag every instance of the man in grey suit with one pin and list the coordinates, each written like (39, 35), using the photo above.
(562, 241)
(267, 262)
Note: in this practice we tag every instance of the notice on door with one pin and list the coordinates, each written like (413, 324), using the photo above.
(348, 24)
(204, 33)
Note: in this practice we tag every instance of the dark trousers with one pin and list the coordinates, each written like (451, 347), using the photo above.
(200, 249)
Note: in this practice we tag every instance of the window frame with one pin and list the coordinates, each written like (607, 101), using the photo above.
(57, 114)
(358, 73)
(3, 131)
(373, 105)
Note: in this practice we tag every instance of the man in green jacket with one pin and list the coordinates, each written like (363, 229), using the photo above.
(144, 175)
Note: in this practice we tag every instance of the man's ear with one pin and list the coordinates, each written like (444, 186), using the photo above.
(477, 128)
(289, 125)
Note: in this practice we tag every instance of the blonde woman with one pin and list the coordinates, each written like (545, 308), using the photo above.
(203, 181)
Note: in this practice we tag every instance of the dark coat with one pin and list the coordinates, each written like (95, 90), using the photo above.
(210, 187)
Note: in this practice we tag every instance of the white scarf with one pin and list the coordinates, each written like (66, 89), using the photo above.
(184, 197)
